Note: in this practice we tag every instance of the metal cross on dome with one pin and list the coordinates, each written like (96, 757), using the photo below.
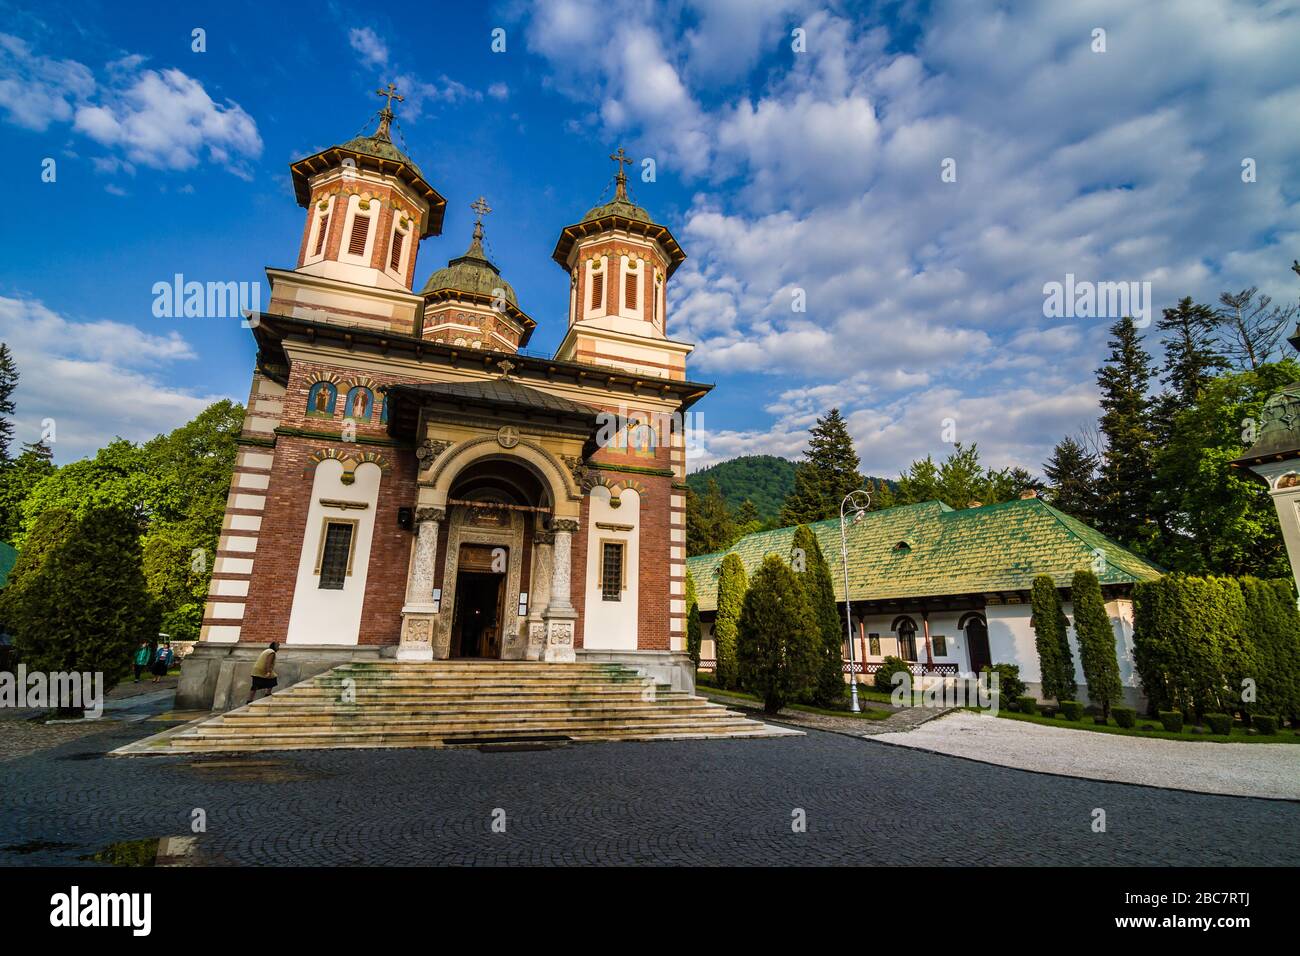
(481, 207)
(622, 159)
(386, 114)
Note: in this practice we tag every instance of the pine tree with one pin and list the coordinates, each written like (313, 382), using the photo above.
(76, 599)
(1125, 507)
(813, 573)
(731, 597)
(1051, 638)
(1253, 329)
(828, 472)
(709, 525)
(8, 382)
(1072, 473)
(1096, 642)
(692, 620)
(777, 636)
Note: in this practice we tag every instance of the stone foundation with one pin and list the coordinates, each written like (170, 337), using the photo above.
(669, 667)
(217, 676)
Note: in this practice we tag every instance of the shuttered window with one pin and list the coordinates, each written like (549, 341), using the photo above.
(357, 242)
(629, 291)
(597, 290)
(324, 223)
(335, 555)
(395, 258)
(611, 572)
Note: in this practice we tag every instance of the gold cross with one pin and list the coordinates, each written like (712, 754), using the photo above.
(392, 94)
(506, 367)
(481, 207)
(622, 159)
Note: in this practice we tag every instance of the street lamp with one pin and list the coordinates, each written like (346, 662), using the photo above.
(855, 502)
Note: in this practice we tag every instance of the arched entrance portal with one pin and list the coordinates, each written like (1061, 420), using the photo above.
(977, 641)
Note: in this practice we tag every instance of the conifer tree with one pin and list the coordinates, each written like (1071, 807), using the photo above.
(1096, 642)
(692, 620)
(1072, 474)
(731, 597)
(813, 573)
(8, 382)
(1125, 508)
(828, 472)
(777, 635)
(1052, 640)
(709, 525)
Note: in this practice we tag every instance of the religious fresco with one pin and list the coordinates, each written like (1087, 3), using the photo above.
(321, 398)
(360, 402)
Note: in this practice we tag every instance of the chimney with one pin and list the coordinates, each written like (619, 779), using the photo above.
(1030, 493)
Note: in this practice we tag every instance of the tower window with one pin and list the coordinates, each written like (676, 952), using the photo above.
(357, 241)
(395, 258)
(629, 291)
(323, 228)
(611, 571)
(336, 555)
(597, 290)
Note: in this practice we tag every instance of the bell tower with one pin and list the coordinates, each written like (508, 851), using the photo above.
(619, 261)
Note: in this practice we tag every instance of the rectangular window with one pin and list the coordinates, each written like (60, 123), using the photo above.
(395, 259)
(873, 642)
(629, 292)
(611, 572)
(320, 235)
(336, 555)
(597, 290)
(907, 645)
(940, 643)
(360, 229)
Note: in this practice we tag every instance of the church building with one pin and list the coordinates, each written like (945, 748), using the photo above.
(412, 484)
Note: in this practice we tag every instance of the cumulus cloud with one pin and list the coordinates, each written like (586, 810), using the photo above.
(372, 50)
(94, 380)
(36, 91)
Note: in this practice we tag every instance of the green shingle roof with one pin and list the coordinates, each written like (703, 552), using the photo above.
(928, 550)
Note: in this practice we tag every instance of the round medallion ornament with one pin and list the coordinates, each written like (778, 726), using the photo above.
(507, 436)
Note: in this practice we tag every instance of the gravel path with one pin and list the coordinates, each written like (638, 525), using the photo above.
(1247, 770)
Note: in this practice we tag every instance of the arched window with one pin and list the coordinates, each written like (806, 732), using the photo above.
(321, 398)
(360, 403)
(905, 628)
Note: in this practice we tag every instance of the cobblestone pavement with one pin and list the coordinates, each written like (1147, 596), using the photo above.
(672, 802)
(901, 720)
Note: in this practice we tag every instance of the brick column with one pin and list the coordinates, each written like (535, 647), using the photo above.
(420, 614)
(560, 615)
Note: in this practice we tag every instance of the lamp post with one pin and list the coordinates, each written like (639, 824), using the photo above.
(858, 508)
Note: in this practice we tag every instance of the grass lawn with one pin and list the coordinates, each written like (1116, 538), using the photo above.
(1284, 735)
(868, 713)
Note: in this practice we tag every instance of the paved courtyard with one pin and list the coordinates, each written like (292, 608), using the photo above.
(688, 802)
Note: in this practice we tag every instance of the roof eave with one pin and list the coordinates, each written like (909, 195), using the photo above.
(651, 230)
(318, 163)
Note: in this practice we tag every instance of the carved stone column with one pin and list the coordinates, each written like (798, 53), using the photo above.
(421, 635)
(543, 567)
(560, 616)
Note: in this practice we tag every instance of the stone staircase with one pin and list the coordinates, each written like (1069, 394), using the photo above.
(458, 703)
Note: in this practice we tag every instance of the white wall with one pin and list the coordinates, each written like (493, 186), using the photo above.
(611, 625)
(941, 622)
(321, 616)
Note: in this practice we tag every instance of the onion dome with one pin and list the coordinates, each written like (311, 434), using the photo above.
(473, 272)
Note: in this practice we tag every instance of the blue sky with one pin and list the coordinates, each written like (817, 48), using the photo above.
(778, 171)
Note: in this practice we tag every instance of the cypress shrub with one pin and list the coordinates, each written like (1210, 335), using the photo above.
(884, 678)
(1220, 723)
(1273, 624)
(731, 598)
(1026, 705)
(1010, 686)
(1124, 716)
(827, 688)
(1071, 709)
(1171, 720)
(1051, 638)
(1096, 642)
(693, 632)
(1266, 724)
(777, 636)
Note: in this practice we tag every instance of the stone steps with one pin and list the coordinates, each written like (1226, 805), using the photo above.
(459, 703)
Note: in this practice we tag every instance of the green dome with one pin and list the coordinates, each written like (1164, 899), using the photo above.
(619, 207)
(472, 272)
(381, 147)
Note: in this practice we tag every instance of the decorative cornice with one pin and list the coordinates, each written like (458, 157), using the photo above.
(291, 432)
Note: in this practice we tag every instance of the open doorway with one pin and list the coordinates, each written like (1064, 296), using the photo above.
(476, 630)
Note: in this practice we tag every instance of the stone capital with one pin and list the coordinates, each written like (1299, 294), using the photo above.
(564, 525)
(430, 514)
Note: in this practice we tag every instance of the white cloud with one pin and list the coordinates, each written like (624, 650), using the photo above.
(36, 91)
(372, 50)
(94, 380)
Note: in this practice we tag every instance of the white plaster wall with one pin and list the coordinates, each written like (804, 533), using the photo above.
(321, 616)
(1011, 639)
(941, 622)
(611, 625)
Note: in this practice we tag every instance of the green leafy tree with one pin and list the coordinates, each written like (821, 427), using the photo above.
(828, 472)
(17, 479)
(8, 382)
(709, 525)
(777, 636)
(76, 598)
(827, 688)
(692, 620)
(1072, 477)
(1096, 638)
(1126, 490)
(1052, 640)
(731, 598)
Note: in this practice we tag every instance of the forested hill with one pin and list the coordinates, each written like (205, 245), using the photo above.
(763, 479)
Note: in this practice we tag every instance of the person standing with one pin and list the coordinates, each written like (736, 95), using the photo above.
(143, 655)
(162, 661)
(264, 671)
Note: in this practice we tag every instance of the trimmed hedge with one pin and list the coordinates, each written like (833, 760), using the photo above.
(1220, 723)
(732, 585)
(1026, 705)
(1096, 637)
(1124, 716)
(1052, 641)
(1266, 724)
(1171, 720)
(1072, 709)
